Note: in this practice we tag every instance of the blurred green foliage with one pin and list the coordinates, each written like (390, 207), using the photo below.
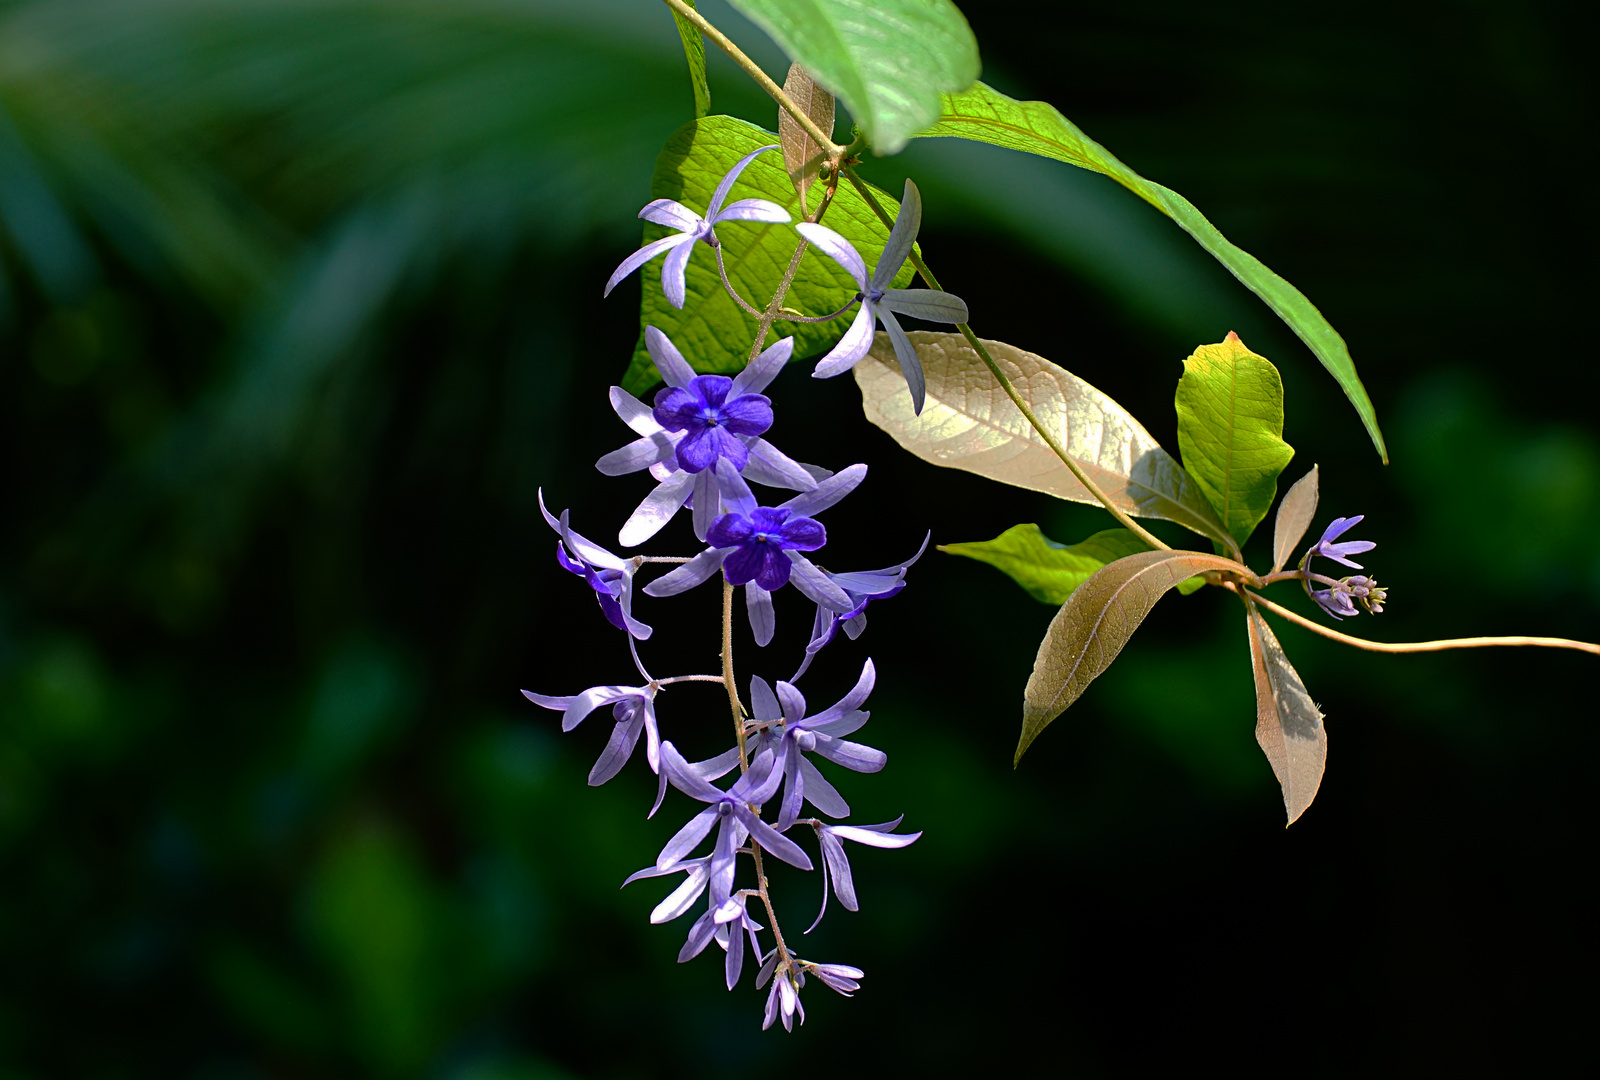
(299, 307)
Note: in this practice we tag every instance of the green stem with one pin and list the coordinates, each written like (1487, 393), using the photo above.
(1011, 392)
(787, 103)
(771, 315)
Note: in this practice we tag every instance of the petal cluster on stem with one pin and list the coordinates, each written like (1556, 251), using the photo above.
(880, 303)
(692, 227)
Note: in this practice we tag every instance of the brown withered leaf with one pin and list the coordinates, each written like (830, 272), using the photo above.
(801, 154)
(1096, 622)
(1295, 512)
(1288, 723)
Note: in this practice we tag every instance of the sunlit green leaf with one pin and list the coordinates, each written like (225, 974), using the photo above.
(711, 329)
(694, 50)
(1051, 571)
(1034, 127)
(1096, 622)
(969, 423)
(887, 60)
(1230, 431)
(1288, 723)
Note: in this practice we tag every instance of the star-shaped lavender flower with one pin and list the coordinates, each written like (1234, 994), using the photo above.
(831, 838)
(754, 539)
(610, 576)
(634, 710)
(692, 227)
(730, 812)
(658, 448)
(1337, 552)
(862, 587)
(881, 303)
(791, 734)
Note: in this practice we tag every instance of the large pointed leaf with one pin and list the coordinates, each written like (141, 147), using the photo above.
(887, 60)
(1230, 431)
(711, 330)
(694, 50)
(982, 114)
(1295, 512)
(969, 423)
(1051, 571)
(1288, 723)
(1096, 622)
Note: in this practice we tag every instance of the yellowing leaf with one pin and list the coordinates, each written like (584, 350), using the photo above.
(969, 423)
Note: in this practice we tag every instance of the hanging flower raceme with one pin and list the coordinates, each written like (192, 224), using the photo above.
(692, 227)
(881, 303)
(703, 440)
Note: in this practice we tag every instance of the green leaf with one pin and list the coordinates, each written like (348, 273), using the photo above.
(1230, 431)
(1288, 723)
(1051, 571)
(887, 60)
(1096, 622)
(1035, 127)
(711, 330)
(969, 423)
(694, 50)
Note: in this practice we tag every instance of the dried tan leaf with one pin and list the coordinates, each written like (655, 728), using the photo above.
(1295, 512)
(1096, 622)
(801, 154)
(1288, 723)
(969, 423)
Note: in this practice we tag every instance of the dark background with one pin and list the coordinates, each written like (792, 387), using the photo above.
(300, 307)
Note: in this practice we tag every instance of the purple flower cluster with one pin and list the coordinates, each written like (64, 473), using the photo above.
(1340, 596)
(703, 442)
